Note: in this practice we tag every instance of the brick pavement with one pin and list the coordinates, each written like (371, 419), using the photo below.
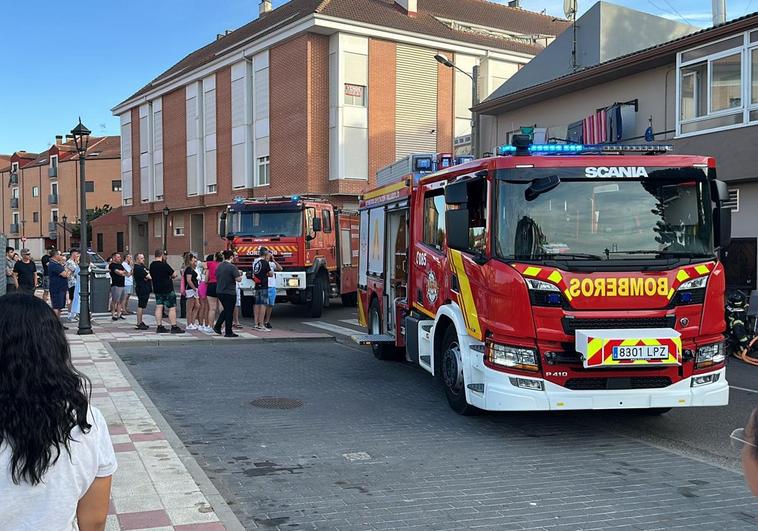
(152, 488)
(375, 446)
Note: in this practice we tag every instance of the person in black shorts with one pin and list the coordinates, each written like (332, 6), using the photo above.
(142, 287)
(25, 272)
(163, 277)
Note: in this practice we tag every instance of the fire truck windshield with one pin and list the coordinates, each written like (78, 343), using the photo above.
(667, 213)
(267, 223)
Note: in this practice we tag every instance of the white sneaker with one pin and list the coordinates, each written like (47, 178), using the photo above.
(191, 327)
(207, 329)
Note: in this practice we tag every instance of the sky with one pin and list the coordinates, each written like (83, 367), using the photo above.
(80, 58)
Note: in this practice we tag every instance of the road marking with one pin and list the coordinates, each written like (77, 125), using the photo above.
(341, 330)
(357, 456)
(743, 389)
(353, 322)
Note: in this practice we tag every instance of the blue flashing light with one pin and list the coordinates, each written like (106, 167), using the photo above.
(553, 298)
(685, 297)
(587, 148)
(239, 200)
(295, 198)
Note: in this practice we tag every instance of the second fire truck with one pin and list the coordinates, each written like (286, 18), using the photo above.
(315, 242)
(553, 277)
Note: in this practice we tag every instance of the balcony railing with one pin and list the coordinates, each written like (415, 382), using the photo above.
(52, 171)
(14, 177)
(14, 228)
(14, 202)
(52, 199)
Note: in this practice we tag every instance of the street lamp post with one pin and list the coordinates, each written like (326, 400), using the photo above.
(65, 226)
(165, 229)
(474, 76)
(81, 138)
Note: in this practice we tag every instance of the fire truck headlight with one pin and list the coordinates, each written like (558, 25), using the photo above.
(695, 283)
(293, 282)
(539, 285)
(708, 355)
(512, 357)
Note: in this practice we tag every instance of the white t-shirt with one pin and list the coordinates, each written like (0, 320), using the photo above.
(51, 504)
(128, 281)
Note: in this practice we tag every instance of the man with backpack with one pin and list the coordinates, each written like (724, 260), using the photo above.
(261, 273)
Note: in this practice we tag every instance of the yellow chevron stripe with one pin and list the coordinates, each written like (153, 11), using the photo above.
(532, 271)
(472, 317)
(361, 312)
(682, 275)
(702, 269)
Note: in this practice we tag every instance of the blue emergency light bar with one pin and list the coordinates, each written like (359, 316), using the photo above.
(578, 149)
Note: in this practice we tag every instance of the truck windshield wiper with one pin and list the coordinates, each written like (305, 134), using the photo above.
(568, 256)
(687, 254)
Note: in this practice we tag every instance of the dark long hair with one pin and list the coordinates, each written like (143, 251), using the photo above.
(42, 396)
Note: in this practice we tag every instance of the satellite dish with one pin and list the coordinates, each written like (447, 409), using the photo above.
(569, 8)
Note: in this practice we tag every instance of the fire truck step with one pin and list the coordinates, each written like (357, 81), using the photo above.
(370, 339)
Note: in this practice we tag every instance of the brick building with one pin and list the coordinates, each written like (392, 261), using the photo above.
(109, 233)
(312, 97)
(39, 189)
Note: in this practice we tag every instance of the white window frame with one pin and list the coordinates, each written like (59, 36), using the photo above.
(16, 218)
(260, 163)
(14, 193)
(177, 230)
(54, 214)
(54, 186)
(54, 161)
(35, 189)
(746, 106)
(158, 227)
(14, 167)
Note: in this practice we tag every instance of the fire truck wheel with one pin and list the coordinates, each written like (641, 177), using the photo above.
(318, 300)
(452, 374)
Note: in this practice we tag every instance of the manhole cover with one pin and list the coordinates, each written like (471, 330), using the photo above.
(271, 402)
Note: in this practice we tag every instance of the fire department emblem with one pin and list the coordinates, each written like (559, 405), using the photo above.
(432, 288)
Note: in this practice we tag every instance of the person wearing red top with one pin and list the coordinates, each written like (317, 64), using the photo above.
(211, 266)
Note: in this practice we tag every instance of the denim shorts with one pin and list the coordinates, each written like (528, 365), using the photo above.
(261, 297)
(271, 296)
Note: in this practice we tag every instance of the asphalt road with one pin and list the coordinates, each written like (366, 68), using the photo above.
(373, 445)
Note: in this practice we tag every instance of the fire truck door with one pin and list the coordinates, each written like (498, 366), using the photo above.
(429, 260)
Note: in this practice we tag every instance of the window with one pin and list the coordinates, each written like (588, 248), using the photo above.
(211, 188)
(99, 242)
(54, 215)
(89, 186)
(14, 193)
(35, 191)
(733, 203)
(15, 218)
(158, 227)
(326, 221)
(35, 217)
(355, 95)
(116, 186)
(178, 225)
(54, 161)
(14, 167)
(434, 219)
(263, 171)
(717, 88)
(120, 242)
(54, 189)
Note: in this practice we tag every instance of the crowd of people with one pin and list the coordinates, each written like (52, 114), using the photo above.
(211, 287)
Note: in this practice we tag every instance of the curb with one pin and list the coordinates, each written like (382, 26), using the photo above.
(225, 514)
(215, 342)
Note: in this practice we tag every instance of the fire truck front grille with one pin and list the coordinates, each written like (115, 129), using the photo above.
(601, 384)
(571, 325)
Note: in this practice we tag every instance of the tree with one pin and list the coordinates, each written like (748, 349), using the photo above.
(92, 214)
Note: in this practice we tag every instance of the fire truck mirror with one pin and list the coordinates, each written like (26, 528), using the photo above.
(723, 221)
(540, 186)
(222, 225)
(719, 190)
(457, 193)
(457, 227)
(316, 227)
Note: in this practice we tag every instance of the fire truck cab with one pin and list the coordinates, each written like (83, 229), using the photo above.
(311, 239)
(553, 277)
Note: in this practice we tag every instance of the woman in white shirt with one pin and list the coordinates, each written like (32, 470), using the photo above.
(56, 456)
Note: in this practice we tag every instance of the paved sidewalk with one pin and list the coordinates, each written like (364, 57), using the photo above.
(125, 330)
(152, 488)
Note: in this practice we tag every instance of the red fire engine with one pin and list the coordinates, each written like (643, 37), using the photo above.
(315, 243)
(553, 277)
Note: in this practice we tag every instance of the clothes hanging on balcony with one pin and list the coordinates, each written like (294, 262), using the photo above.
(595, 128)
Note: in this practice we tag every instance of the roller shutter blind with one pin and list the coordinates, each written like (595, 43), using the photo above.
(416, 101)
